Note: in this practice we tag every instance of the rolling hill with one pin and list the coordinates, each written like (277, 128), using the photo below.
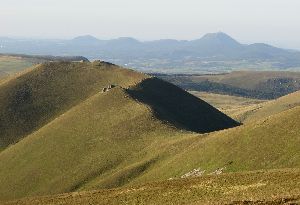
(137, 130)
(83, 133)
(265, 144)
(33, 99)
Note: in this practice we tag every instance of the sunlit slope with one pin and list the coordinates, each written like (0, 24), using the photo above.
(138, 149)
(263, 110)
(266, 144)
(260, 187)
(107, 140)
(30, 100)
(90, 140)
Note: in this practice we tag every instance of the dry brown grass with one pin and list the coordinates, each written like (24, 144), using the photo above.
(260, 187)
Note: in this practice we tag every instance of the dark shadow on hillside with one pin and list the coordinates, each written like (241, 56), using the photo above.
(172, 104)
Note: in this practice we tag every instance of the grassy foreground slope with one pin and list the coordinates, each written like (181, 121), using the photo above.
(134, 148)
(106, 139)
(259, 187)
(88, 141)
(270, 143)
(34, 98)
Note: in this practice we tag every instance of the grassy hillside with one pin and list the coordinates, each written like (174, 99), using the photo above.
(130, 150)
(30, 100)
(88, 141)
(83, 137)
(139, 132)
(266, 144)
(260, 187)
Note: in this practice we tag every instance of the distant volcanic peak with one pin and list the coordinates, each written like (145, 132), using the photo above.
(85, 38)
(219, 37)
(126, 40)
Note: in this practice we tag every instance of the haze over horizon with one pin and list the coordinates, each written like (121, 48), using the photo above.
(270, 22)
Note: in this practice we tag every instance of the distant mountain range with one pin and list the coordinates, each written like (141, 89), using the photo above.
(212, 53)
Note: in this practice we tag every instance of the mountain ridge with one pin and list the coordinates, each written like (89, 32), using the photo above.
(213, 50)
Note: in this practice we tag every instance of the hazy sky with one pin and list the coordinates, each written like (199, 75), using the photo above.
(271, 21)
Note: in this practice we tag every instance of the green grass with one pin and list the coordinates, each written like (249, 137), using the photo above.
(260, 187)
(88, 141)
(81, 137)
(31, 100)
(136, 134)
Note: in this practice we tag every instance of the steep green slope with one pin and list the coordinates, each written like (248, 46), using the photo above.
(266, 144)
(260, 187)
(90, 140)
(137, 134)
(30, 100)
(89, 148)
(106, 139)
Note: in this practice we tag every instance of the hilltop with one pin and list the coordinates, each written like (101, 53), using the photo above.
(61, 116)
(38, 96)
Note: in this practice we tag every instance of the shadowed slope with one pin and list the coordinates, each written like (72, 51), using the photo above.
(34, 98)
(178, 107)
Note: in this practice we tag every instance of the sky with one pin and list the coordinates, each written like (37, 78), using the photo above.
(248, 21)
